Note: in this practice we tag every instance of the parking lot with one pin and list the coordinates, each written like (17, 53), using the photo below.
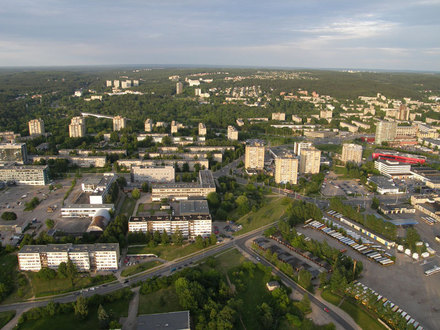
(404, 282)
(335, 187)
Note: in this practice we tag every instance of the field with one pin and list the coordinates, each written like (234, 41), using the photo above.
(131, 270)
(5, 317)
(162, 301)
(169, 252)
(359, 315)
(70, 322)
(269, 213)
(128, 206)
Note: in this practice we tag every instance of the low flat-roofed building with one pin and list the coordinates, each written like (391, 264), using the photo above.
(84, 210)
(33, 175)
(128, 163)
(430, 176)
(13, 153)
(320, 134)
(393, 169)
(87, 257)
(430, 209)
(154, 174)
(396, 209)
(195, 206)
(384, 185)
(189, 225)
(98, 187)
(165, 321)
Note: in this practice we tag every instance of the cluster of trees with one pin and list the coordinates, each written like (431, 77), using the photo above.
(234, 199)
(116, 231)
(32, 204)
(156, 238)
(8, 215)
(65, 270)
(370, 221)
(354, 171)
(82, 309)
(299, 211)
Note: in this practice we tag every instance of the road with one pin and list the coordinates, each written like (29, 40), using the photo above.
(288, 281)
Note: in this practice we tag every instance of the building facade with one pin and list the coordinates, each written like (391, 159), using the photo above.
(286, 169)
(25, 175)
(202, 129)
(119, 123)
(152, 174)
(77, 127)
(351, 153)
(281, 116)
(232, 133)
(36, 127)
(148, 125)
(86, 257)
(13, 153)
(310, 161)
(385, 131)
(254, 155)
(179, 88)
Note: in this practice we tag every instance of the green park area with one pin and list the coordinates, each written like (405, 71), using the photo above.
(269, 213)
(167, 252)
(131, 270)
(5, 317)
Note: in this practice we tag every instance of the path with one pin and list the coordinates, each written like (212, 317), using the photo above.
(130, 322)
(13, 322)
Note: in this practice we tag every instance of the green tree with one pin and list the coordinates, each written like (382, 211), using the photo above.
(50, 223)
(305, 279)
(71, 270)
(375, 202)
(265, 314)
(411, 238)
(213, 200)
(62, 270)
(305, 304)
(136, 194)
(177, 238)
(81, 307)
(145, 187)
(200, 242)
(103, 317)
(213, 239)
(9, 216)
(165, 238)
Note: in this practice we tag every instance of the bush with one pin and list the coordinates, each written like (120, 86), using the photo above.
(32, 204)
(9, 215)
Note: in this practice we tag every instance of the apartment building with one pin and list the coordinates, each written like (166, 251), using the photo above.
(36, 127)
(13, 153)
(232, 133)
(203, 163)
(385, 131)
(254, 154)
(297, 146)
(326, 114)
(152, 174)
(281, 116)
(116, 83)
(189, 225)
(286, 168)
(33, 175)
(119, 123)
(351, 153)
(148, 125)
(310, 161)
(296, 119)
(108, 83)
(77, 127)
(175, 126)
(182, 191)
(126, 84)
(86, 257)
(202, 129)
(351, 128)
(179, 88)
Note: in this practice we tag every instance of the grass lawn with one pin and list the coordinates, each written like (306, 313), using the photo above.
(168, 252)
(359, 315)
(162, 301)
(43, 288)
(5, 317)
(229, 259)
(8, 269)
(128, 206)
(131, 270)
(271, 212)
(70, 322)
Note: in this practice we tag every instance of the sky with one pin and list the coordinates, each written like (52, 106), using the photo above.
(357, 34)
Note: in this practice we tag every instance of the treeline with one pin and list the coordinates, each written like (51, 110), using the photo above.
(370, 221)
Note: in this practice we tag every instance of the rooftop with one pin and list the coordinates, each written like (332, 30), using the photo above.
(168, 217)
(169, 321)
(193, 207)
(69, 247)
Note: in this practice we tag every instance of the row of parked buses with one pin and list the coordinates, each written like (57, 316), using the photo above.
(364, 294)
(373, 252)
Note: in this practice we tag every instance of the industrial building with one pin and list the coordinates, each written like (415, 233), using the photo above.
(98, 187)
(398, 157)
(86, 257)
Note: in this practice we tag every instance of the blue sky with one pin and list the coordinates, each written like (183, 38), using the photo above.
(395, 34)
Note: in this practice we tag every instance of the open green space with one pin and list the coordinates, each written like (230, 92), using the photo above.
(229, 259)
(359, 315)
(128, 206)
(131, 270)
(162, 301)
(269, 213)
(42, 287)
(69, 321)
(167, 252)
(5, 317)
(9, 276)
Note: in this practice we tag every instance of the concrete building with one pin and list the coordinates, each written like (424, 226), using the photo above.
(203, 163)
(385, 131)
(152, 174)
(84, 210)
(403, 113)
(116, 83)
(13, 153)
(36, 127)
(8, 136)
(240, 122)
(351, 153)
(310, 161)
(119, 123)
(393, 169)
(182, 191)
(126, 84)
(202, 129)
(179, 88)
(254, 154)
(77, 127)
(297, 146)
(326, 114)
(351, 128)
(232, 133)
(98, 187)
(161, 321)
(286, 168)
(25, 175)
(192, 82)
(86, 257)
(108, 83)
(135, 83)
(296, 119)
(384, 185)
(189, 225)
(281, 116)
(148, 125)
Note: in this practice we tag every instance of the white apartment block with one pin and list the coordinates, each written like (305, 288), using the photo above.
(126, 84)
(202, 129)
(36, 127)
(77, 127)
(189, 225)
(33, 175)
(281, 116)
(286, 169)
(152, 173)
(148, 125)
(254, 155)
(310, 160)
(351, 153)
(108, 83)
(297, 146)
(86, 257)
(119, 123)
(116, 83)
(232, 133)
